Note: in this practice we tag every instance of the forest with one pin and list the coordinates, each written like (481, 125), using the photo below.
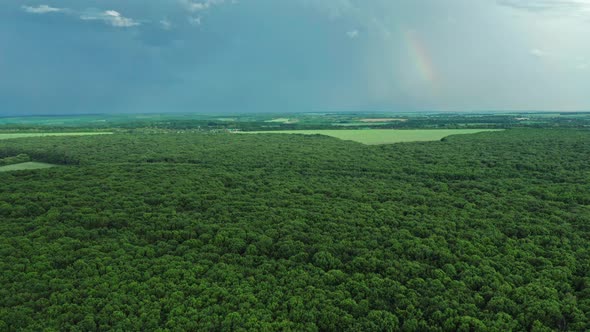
(213, 231)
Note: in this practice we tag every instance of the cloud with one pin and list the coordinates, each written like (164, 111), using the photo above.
(200, 6)
(352, 34)
(196, 21)
(333, 8)
(547, 5)
(165, 24)
(194, 7)
(42, 9)
(583, 66)
(110, 17)
(538, 53)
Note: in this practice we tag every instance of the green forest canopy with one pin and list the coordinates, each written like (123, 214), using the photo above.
(23, 135)
(291, 232)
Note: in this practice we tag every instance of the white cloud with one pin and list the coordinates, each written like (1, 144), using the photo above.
(576, 8)
(333, 8)
(538, 53)
(201, 6)
(111, 17)
(194, 21)
(194, 7)
(584, 66)
(42, 9)
(166, 25)
(352, 34)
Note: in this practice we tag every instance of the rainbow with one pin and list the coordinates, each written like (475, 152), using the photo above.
(420, 56)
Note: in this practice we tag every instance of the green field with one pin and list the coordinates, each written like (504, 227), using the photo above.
(360, 124)
(25, 166)
(382, 136)
(22, 135)
(283, 120)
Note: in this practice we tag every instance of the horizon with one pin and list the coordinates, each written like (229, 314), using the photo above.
(501, 112)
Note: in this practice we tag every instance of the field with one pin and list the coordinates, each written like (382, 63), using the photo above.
(283, 120)
(295, 121)
(382, 136)
(25, 166)
(360, 124)
(383, 120)
(23, 135)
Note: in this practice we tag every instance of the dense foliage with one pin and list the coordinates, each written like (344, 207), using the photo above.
(287, 232)
(21, 158)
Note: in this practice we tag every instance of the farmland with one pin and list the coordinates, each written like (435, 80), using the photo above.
(293, 121)
(369, 120)
(282, 120)
(382, 136)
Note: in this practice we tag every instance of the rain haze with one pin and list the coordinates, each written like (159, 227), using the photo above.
(216, 56)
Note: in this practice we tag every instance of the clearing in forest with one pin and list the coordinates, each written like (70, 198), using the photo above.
(22, 135)
(25, 166)
(382, 136)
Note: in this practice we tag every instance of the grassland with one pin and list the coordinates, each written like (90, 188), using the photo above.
(23, 135)
(383, 120)
(25, 166)
(282, 120)
(360, 124)
(383, 136)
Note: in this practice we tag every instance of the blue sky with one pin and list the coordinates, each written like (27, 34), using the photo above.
(228, 56)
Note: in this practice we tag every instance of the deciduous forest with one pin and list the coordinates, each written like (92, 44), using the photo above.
(228, 232)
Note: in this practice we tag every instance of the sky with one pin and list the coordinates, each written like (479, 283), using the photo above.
(233, 56)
